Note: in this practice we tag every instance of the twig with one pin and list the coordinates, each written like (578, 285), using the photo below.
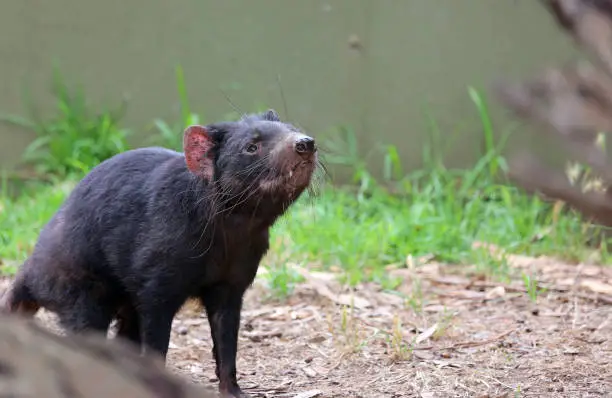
(594, 297)
(605, 299)
(469, 344)
(484, 284)
(258, 336)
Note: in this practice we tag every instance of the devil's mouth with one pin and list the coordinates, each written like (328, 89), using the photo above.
(294, 178)
(303, 163)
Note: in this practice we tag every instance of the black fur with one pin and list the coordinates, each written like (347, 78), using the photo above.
(142, 233)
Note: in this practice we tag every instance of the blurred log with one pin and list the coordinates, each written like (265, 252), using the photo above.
(36, 363)
(574, 103)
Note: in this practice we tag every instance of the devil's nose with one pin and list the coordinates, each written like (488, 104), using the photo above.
(305, 145)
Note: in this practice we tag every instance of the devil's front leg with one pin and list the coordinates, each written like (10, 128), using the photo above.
(223, 304)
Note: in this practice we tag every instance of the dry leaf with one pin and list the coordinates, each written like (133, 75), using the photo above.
(496, 292)
(309, 372)
(352, 300)
(444, 364)
(462, 294)
(308, 394)
(423, 355)
(392, 299)
(435, 308)
(320, 286)
(597, 286)
(427, 333)
(451, 280)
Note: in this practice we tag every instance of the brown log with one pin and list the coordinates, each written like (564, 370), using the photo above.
(574, 103)
(35, 363)
(589, 22)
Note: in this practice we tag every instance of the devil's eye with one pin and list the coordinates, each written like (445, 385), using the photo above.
(252, 148)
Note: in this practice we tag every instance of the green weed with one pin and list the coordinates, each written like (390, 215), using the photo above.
(172, 136)
(73, 140)
(400, 349)
(531, 285)
(282, 280)
(22, 218)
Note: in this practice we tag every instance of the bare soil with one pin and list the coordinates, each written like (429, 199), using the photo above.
(457, 334)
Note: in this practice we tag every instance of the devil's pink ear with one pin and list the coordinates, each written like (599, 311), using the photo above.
(197, 145)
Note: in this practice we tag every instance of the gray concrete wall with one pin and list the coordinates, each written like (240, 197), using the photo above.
(411, 52)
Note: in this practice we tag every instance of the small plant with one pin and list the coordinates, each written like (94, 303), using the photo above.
(386, 281)
(22, 217)
(172, 136)
(392, 164)
(415, 300)
(349, 337)
(491, 264)
(75, 139)
(400, 350)
(517, 391)
(444, 324)
(531, 285)
(282, 280)
(342, 150)
(495, 161)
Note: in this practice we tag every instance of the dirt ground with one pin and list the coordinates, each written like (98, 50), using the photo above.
(457, 335)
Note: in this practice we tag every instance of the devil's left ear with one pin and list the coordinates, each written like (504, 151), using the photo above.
(198, 147)
(270, 115)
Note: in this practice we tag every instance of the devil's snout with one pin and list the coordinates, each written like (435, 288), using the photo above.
(305, 146)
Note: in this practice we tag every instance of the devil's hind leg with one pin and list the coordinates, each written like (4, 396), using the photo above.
(18, 298)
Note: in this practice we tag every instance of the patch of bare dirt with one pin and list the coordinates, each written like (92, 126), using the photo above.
(452, 334)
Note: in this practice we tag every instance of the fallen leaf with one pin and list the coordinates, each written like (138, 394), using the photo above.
(309, 372)
(325, 276)
(496, 292)
(435, 308)
(444, 364)
(423, 355)
(451, 280)
(322, 289)
(464, 294)
(193, 322)
(571, 351)
(317, 339)
(349, 299)
(591, 270)
(258, 336)
(392, 299)
(596, 286)
(308, 394)
(429, 269)
(566, 281)
(427, 333)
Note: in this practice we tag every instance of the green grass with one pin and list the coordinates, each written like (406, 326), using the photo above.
(21, 219)
(359, 229)
(363, 236)
(172, 136)
(74, 139)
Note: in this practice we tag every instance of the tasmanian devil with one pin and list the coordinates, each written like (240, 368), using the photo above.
(150, 228)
